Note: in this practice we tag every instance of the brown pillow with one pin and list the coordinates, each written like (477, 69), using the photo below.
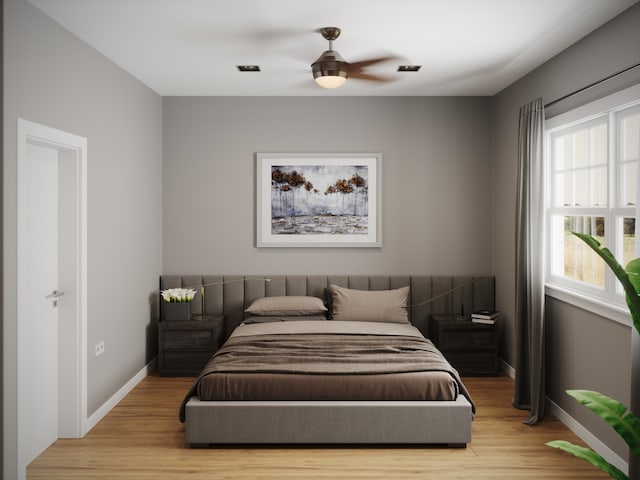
(369, 305)
(286, 306)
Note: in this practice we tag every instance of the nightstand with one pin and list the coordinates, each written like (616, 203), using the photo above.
(185, 346)
(472, 348)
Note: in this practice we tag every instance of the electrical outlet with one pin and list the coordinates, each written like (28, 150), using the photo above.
(99, 348)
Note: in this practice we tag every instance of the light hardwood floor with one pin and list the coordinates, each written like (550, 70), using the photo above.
(142, 439)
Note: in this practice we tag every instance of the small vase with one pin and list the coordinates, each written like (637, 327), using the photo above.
(173, 312)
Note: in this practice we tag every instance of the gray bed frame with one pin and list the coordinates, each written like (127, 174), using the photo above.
(330, 422)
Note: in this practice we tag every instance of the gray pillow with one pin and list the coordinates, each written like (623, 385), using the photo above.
(369, 305)
(286, 306)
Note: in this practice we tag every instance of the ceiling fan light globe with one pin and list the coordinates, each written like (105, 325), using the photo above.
(331, 81)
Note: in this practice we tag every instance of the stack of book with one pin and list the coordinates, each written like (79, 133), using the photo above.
(485, 316)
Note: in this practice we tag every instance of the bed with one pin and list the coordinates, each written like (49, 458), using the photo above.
(399, 390)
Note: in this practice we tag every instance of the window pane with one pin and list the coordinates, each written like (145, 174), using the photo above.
(581, 145)
(628, 239)
(599, 152)
(590, 188)
(582, 188)
(580, 159)
(631, 137)
(580, 262)
(599, 182)
(562, 152)
(563, 194)
(629, 148)
(629, 184)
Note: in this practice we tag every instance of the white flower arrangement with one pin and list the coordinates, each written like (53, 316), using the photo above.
(178, 295)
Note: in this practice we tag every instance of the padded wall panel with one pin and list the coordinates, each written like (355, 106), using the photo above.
(233, 302)
(255, 287)
(213, 294)
(297, 285)
(316, 286)
(233, 297)
(194, 281)
(420, 291)
(276, 286)
(340, 280)
(359, 282)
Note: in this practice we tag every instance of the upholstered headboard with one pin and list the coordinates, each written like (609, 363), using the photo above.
(232, 298)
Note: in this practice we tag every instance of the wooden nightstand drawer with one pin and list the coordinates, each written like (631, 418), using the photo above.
(189, 338)
(480, 363)
(468, 339)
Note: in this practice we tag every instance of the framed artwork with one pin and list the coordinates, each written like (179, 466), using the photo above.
(318, 200)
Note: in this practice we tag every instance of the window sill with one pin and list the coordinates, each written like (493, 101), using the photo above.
(611, 312)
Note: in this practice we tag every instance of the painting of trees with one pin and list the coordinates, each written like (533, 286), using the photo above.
(359, 185)
(287, 184)
(291, 212)
(318, 200)
(345, 188)
(295, 180)
(278, 180)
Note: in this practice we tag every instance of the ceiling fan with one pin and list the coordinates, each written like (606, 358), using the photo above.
(331, 71)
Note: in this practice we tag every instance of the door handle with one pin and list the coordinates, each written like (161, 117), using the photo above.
(53, 296)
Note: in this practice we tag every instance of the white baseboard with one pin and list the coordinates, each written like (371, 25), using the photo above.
(507, 369)
(590, 439)
(107, 406)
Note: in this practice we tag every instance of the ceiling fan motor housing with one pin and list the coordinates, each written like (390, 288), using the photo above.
(330, 63)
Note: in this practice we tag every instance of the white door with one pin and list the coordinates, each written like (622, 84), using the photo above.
(51, 323)
(39, 314)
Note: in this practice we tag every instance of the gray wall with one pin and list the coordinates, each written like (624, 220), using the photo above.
(607, 50)
(436, 176)
(52, 78)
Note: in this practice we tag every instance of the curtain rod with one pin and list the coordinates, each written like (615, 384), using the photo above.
(591, 85)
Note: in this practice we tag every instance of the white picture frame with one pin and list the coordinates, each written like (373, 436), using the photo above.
(318, 200)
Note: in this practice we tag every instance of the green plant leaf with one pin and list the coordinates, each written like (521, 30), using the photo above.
(613, 412)
(631, 287)
(590, 456)
(633, 272)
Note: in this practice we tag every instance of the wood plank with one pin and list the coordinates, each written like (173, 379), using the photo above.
(142, 439)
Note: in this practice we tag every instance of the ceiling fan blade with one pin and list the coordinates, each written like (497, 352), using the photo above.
(356, 66)
(370, 77)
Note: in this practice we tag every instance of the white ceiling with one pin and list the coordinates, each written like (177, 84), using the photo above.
(465, 47)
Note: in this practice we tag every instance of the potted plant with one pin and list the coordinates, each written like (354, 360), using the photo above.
(176, 304)
(616, 414)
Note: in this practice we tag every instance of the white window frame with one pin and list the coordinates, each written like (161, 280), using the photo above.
(608, 302)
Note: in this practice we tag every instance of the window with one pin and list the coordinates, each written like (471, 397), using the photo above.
(593, 158)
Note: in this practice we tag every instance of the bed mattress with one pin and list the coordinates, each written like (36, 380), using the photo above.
(328, 360)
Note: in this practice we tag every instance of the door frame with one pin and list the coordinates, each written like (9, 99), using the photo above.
(72, 411)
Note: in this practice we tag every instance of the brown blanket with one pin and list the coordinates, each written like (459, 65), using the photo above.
(326, 354)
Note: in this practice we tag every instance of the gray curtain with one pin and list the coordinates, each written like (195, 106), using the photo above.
(529, 322)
